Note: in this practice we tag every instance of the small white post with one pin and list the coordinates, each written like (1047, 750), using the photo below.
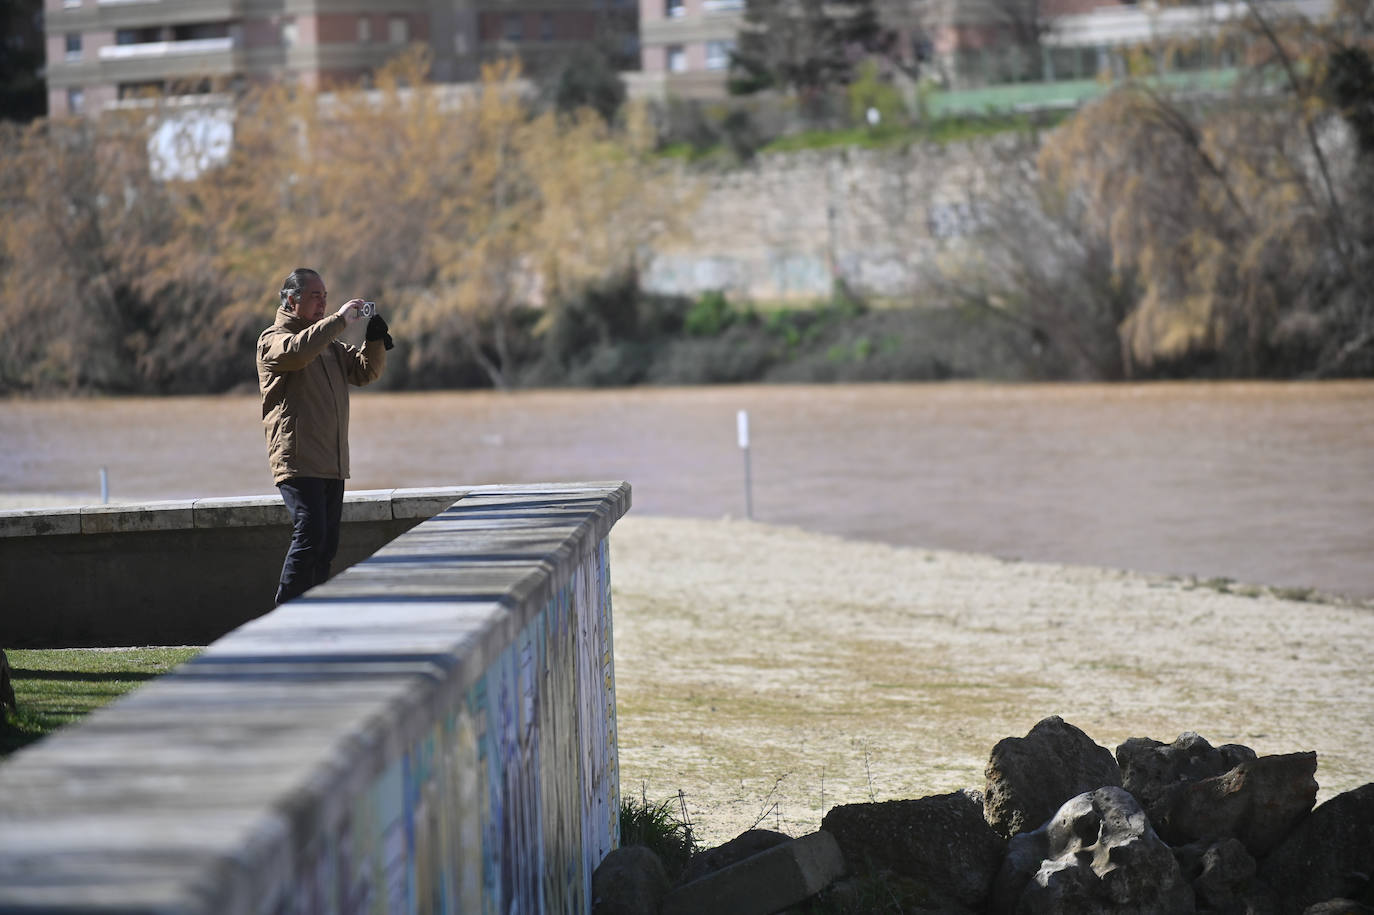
(104, 486)
(742, 426)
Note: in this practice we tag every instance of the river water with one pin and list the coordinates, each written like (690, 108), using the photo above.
(1268, 483)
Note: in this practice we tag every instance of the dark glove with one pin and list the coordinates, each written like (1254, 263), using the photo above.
(377, 330)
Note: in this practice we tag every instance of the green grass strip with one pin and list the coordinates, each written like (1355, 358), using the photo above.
(55, 687)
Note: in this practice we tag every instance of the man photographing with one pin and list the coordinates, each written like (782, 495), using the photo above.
(303, 373)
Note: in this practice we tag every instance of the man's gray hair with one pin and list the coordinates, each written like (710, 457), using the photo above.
(295, 281)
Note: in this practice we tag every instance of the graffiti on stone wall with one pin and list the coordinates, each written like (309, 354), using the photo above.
(958, 219)
(506, 805)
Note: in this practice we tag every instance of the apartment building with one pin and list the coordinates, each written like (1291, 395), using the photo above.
(685, 44)
(100, 52)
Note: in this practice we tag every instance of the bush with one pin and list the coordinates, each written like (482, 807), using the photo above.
(617, 335)
(656, 828)
(584, 79)
(710, 315)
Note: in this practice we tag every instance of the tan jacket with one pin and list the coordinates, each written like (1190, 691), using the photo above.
(304, 374)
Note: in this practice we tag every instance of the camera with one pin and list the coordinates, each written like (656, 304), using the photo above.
(367, 309)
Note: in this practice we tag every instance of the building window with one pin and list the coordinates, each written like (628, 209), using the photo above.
(76, 100)
(73, 46)
(515, 27)
(718, 54)
(677, 59)
(675, 9)
(290, 33)
(138, 36)
(364, 29)
(398, 30)
(145, 89)
(200, 31)
(546, 27)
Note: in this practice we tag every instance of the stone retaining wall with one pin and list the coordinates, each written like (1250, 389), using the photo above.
(433, 730)
(788, 226)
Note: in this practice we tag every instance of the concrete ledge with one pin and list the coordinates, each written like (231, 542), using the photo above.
(423, 503)
(251, 511)
(37, 522)
(367, 505)
(186, 573)
(233, 511)
(150, 516)
(434, 728)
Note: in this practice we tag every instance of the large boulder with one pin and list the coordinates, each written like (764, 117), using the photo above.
(7, 699)
(1029, 778)
(1329, 855)
(1258, 802)
(1339, 907)
(941, 845)
(1149, 767)
(629, 881)
(764, 883)
(745, 845)
(1222, 875)
(1097, 854)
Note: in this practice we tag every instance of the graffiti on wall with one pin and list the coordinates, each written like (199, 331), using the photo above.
(508, 803)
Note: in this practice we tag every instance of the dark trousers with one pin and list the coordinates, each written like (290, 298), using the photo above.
(316, 508)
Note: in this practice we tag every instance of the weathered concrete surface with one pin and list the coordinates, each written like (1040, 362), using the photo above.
(341, 735)
(31, 522)
(170, 573)
(125, 519)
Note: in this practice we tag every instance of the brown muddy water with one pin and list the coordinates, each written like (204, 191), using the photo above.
(1258, 482)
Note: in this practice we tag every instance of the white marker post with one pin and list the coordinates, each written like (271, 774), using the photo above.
(104, 486)
(742, 425)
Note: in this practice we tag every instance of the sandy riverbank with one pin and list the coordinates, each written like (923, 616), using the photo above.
(770, 673)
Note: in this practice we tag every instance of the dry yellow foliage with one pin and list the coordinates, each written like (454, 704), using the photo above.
(452, 206)
(1232, 216)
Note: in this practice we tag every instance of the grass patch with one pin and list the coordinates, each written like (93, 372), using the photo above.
(1297, 594)
(947, 129)
(715, 147)
(659, 828)
(55, 687)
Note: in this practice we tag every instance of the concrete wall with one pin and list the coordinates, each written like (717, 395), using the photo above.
(432, 730)
(169, 573)
(787, 226)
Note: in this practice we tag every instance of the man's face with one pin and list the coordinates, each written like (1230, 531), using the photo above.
(311, 299)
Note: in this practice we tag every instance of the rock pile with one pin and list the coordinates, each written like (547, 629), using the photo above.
(1061, 825)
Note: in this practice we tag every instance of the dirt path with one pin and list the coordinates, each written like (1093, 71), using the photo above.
(770, 674)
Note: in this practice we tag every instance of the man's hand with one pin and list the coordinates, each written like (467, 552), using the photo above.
(352, 310)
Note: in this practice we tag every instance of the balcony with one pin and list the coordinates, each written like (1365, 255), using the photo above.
(171, 60)
(1112, 26)
(163, 49)
(718, 21)
(116, 14)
